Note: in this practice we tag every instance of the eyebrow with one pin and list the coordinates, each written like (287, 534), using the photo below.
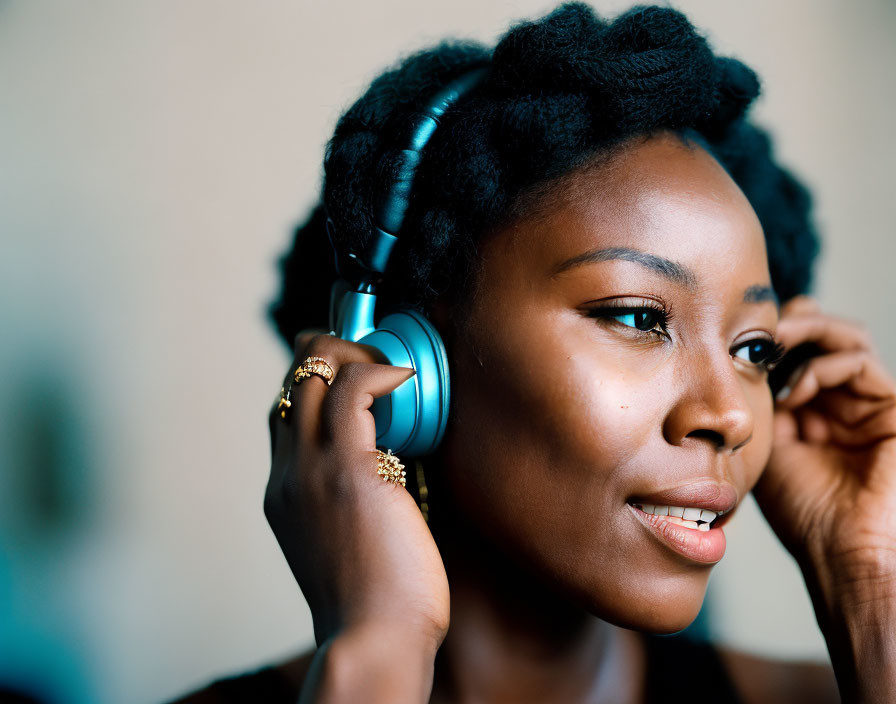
(674, 271)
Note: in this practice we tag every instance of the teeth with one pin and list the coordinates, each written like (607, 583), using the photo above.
(682, 516)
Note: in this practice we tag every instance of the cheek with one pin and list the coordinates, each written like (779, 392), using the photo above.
(759, 449)
(557, 407)
(538, 447)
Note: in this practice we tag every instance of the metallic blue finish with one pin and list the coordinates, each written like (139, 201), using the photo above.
(355, 317)
(413, 417)
(382, 246)
(389, 213)
(422, 130)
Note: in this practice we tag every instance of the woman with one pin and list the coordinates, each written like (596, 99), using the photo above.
(615, 264)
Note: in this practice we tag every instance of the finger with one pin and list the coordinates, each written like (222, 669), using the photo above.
(308, 394)
(829, 332)
(275, 417)
(848, 409)
(303, 338)
(302, 422)
(800, 305)
(863, 374)
(300, 342)
(813, 426)
(869, 433)
(346, 420)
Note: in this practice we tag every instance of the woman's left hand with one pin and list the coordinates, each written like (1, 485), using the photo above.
(829, 488)
(830, 482)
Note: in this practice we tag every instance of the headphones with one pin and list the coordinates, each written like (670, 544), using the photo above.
(412, 418)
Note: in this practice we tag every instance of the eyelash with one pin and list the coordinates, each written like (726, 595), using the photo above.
(774, 355)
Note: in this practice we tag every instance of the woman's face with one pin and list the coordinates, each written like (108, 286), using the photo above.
(570, 412)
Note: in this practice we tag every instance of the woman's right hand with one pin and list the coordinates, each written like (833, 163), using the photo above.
(358, 546)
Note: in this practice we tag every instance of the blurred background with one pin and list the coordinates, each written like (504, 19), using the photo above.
(154, 157)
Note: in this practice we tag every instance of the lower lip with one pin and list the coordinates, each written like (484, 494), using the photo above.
(706, 547)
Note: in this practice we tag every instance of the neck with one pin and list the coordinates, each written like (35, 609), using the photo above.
(514, 638)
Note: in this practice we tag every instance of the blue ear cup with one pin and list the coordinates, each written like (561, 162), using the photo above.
(412, 418)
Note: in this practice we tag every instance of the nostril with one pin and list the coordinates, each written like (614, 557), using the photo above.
(715, 437)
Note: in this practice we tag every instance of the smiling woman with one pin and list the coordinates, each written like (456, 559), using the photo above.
(574, 381)
(613, 262)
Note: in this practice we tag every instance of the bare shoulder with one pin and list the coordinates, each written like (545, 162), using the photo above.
(768, 681)
(281, 682)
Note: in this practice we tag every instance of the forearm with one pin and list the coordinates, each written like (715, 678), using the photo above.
(856, 611)
(371, 665)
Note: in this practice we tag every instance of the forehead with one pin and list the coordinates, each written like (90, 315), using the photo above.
(656, 195)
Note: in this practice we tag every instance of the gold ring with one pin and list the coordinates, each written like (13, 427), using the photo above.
(389, 468)
(314, 365)
(285, 403)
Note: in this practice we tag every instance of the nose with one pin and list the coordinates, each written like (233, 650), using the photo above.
(712, 404)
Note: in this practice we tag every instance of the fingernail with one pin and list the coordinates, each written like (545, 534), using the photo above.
(783, 393)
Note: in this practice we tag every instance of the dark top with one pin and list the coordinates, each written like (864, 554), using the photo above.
(680, 669)
(684, 670)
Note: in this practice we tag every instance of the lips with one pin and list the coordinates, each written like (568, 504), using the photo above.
(719, 497)
(704, 541)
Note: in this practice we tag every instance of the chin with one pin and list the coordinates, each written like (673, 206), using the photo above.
(655, 605)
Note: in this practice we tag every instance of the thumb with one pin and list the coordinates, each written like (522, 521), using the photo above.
(345, 412)
(388, 378)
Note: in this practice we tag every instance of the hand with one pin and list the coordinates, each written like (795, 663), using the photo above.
(358, 546)
(829, 489)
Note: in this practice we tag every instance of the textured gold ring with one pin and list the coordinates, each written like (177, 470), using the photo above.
(284, 404)
(389, 468)
(314, 365)
(311, 365)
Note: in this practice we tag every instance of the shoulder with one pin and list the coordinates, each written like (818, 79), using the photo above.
(764, 680)
(273, 683)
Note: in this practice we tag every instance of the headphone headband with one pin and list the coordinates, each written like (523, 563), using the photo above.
(413, 416)
(390, 208)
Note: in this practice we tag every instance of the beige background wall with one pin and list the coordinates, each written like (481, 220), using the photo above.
(153, 158)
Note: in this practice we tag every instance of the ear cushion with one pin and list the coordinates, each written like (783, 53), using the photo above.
(412, 418)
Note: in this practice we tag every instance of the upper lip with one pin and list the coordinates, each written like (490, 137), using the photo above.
(712, 495)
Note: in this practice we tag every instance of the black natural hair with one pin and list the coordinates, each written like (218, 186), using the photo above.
(561, 92)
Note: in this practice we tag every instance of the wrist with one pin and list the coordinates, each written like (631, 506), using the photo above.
(854, 595)
(851, 582)
(379, 663)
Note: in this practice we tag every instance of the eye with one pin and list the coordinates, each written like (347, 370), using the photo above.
(645, 319)
(762, 352)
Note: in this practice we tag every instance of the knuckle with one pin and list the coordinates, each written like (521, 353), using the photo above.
(302, 338)
(319, 345)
